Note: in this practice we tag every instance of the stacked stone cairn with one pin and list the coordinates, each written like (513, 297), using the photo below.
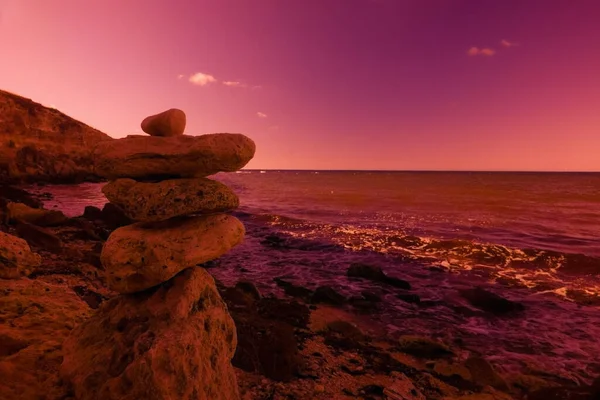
(168, 334)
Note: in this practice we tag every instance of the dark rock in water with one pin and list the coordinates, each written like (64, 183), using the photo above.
(370, 296)
(328, 295)
(409, 298)
(16, 195)
(423, 347)
(248, 287)
(39, 237)
(291, 312)
(92, 213)
(344, 335)
(363, 304)
(563, 393)
(484, 374)
(273, 241)
(114, 217)
(375, 274)
(293, 290)
(490, 302)
(266, 347)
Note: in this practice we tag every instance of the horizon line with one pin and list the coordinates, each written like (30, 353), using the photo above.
(421, 170)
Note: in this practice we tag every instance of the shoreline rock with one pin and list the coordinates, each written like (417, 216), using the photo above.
(167, 123)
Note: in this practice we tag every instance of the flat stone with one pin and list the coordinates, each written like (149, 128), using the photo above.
(139, 256)
(16, 257)
(36, 216)
(167, 123)
(155, 158)
(175, 342)
(171, 198)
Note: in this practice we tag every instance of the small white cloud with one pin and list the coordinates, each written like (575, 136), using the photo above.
(202, 79)
(256, 87)
(235, 84)
(180, 76)
(261, 115)
(476, 51)
(506, 43)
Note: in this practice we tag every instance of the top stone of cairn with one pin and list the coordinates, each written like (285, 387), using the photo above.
(167, 123)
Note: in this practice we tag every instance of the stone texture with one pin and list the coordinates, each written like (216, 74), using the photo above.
(38, 143)
(142, 255)
(148, 158)
(16, 257)
(36, 216)
(167, 123)
(171, 198)
(175, 342)
(35, 318)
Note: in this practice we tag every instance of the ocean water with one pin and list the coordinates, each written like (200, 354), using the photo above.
(530, 237)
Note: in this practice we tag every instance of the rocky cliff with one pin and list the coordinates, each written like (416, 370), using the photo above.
(42, 144)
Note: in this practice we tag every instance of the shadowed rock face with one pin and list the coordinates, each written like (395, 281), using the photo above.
(42, 144)
(143, 255)
(16, 258)
(173, 342)
(167, 123)
(157, 158)
(170, 198)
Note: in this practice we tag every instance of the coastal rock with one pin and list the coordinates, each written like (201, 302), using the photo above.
(423, 347)
(43, 144)
(167, 123)
(92, 213)
(171, 198)
(375, 274)
(12, 194)
(35, 318)
(114, 217)
(174, 342)
(36, 216)
(39, 237)
(484, 374)
(149, 158)
(490, 302)
(328, 295)
(16, 258)
(142, 255)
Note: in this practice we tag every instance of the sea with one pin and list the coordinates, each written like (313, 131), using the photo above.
(531, 237)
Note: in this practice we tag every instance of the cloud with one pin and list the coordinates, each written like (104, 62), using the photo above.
(261, 115)
(202, 79)
(235, 84)
(506, 43)
(180, 76)
(485, 51)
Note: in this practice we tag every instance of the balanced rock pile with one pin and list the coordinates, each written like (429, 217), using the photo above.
(168, 335)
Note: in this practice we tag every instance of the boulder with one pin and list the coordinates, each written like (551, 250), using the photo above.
(328, 295)
(92, 213)
(173, 342)
(484, 374)
(171, 198)
(39, 237)
(114, 217)
(156, 158)
(423, 347)
(167, 123)
(36, 318)
(36, 216)
(145, 254)
(16, 258)
(491, 302)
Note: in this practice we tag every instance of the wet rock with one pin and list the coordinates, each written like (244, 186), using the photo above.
(167, 123)
(490, 302)
(39, 237)
(37, 216)
(16, 257)
(114, 217)
(274, 241)
(409, 298)
(92, 213)
(484, 374)
(249, 288)
(35, 318)
(175, 341)
(12, 194)
(363, 304)
(290, 312)
(375, 274)
(344, 335)
(563, 393)
(293, 290)
(148, 158)
(266, 347)
(170, 198)
(328, 295)
(142, 255)
(423, 347)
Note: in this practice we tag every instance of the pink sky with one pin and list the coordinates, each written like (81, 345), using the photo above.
(327, 84)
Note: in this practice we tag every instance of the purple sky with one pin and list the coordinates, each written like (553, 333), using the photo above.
(327, 84)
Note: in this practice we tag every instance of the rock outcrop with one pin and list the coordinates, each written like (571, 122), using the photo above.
(167, 123)
(171, 198)
(16, 257)
(158, 158)
(42, 144)
(173, 342)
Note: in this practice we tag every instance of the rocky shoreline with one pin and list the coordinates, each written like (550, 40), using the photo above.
(307, 344)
